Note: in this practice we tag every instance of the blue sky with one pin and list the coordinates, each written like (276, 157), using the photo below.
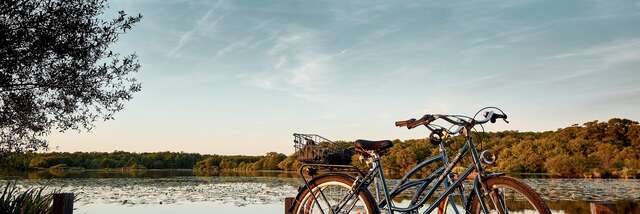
(239, 77)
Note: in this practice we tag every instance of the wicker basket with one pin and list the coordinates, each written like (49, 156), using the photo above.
(315, 149)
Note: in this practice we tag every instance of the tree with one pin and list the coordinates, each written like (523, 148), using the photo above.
(57, 70)
(270, 161)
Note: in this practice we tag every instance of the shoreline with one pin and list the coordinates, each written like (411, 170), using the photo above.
(71, 171)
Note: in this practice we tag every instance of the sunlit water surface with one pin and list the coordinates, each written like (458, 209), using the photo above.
(180, 191)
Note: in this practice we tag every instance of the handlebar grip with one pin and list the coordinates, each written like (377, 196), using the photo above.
(405, 122)
(426, 119)
(414, 124)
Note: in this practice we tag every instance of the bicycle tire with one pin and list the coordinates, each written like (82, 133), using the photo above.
(505, 181)
(343, 180)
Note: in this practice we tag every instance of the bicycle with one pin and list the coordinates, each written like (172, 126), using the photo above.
(339, 192)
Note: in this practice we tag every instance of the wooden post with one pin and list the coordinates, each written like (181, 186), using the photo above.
(288, 202)
(63, 203)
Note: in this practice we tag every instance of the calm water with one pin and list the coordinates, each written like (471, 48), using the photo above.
(264, 192)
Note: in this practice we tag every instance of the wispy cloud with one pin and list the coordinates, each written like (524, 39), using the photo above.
(628, 96)
(298, 64)
(581, 63)
(235, 45)
(257, 35)
(565, 76)
(604, 56)
(259, 79)
(202, 22)
(516, 34)
(360, 12)
(608, 49)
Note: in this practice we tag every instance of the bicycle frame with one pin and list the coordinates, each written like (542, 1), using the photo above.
(443, 173)
(422, 183)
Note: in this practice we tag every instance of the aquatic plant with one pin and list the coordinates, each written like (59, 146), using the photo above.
(33, 200)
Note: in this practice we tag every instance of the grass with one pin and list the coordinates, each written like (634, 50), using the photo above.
(31, 201)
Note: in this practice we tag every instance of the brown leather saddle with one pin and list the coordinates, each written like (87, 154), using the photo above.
(379, 146)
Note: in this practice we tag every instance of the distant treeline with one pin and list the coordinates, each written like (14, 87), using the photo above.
(594, 149)
(153, 160)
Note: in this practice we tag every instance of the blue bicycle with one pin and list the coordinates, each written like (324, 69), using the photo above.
(472, 191)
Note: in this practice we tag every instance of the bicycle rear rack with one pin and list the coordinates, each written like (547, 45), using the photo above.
(314, 152)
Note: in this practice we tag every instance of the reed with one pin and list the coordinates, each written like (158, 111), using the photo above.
(30, 201)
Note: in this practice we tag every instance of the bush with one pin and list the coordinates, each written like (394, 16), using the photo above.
(566, 165)
(207, 165)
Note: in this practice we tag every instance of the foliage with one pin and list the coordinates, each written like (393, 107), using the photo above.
(269, 161)
(59, 161)
(206, 167)
(57, 70)
(117, 159)
(290, 163)
(31, 201)
(215, 163)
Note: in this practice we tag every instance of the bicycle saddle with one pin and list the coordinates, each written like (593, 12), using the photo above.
(376, 146)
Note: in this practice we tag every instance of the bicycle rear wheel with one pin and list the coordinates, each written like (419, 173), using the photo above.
(509, 195)
(328, 191)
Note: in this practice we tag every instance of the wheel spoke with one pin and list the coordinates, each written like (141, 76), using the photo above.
(508, 195)
(503, 202)
(332, 198)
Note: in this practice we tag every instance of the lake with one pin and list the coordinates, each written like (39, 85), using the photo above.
(172, 191)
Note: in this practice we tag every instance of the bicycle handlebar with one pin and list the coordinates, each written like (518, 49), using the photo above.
(489, 116)
(412, 123)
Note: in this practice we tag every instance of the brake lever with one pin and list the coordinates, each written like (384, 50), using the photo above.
(505, 120)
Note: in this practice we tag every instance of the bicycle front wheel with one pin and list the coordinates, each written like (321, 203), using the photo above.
(333, 191)
(509, 195)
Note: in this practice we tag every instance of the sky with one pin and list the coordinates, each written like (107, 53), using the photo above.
(239, 77)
